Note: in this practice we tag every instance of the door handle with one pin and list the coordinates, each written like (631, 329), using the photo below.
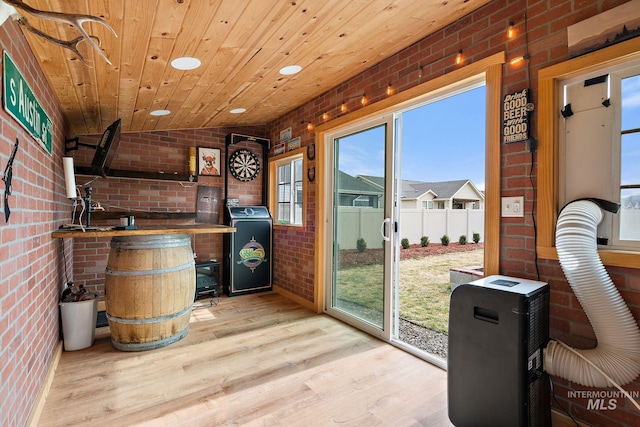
(385, 221)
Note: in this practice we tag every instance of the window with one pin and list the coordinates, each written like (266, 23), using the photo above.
(619, 63)
(286, 178)
(427, 204)
(599, 142)
(629, 187)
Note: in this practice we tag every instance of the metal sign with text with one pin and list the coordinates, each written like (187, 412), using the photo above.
(515, 116)
(21, 103)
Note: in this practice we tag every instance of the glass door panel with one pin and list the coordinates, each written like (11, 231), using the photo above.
(442, 176)
(360, 229)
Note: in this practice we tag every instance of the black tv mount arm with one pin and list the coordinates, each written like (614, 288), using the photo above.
(76, 144)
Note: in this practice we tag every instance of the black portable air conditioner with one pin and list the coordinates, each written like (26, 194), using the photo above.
(498, 327)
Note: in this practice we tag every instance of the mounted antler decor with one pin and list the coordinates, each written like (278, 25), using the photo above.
(9, 8)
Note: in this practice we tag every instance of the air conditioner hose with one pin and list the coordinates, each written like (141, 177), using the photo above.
(617, 353)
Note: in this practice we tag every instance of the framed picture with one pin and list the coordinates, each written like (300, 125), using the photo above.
(293, 144)
(208, 161)
(279, 149)
(285, 135)
(607, 28)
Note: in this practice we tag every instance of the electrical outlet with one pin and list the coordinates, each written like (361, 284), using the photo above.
(513, 206)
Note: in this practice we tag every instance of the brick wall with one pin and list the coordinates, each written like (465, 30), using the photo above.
(153, 152)
(478, 35)
(31, 262)
(32, 269)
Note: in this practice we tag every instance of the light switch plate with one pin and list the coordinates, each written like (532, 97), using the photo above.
(513, 206)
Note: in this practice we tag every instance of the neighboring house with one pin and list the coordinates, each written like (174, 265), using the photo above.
(459, 194)
(356, 192)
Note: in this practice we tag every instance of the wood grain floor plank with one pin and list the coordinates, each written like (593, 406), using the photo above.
(255, 360)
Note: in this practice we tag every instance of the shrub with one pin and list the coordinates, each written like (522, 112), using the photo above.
(476, 237)
(462, 240)
(361, 245)
(444, 240)
(404, 243)
(424, 241)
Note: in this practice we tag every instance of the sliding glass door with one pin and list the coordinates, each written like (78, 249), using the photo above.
(362, 226)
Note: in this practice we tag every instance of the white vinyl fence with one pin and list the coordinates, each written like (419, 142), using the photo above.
(414, 223)
(629, 220)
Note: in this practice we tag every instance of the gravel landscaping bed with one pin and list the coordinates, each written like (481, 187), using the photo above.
(425, 339)
(418, 336)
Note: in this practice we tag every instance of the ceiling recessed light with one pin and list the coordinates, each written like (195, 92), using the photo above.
(238, 110)
(185, 63)
(160, 113)
(290, 69)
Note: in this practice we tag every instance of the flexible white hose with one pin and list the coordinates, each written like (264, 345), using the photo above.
(618, 350)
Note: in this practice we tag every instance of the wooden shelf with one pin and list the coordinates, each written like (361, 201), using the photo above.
(104, 215)
(121, 173)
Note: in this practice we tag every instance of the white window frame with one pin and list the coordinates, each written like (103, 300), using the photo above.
(617, 241)
(295, 218)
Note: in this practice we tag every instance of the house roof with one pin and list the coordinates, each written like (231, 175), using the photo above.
(414, 189)
(351, 184)
(442, 189)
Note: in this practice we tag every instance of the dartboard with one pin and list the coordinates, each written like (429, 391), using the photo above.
(244, 165)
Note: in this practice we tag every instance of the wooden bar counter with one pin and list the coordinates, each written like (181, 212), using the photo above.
(64, 233)
(150, 282)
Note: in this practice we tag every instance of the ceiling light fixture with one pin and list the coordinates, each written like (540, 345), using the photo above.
(160, 113)
(238, 110)
(290, 69)
(185, 63)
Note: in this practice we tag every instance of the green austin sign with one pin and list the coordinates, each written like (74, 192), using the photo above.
(22, 104)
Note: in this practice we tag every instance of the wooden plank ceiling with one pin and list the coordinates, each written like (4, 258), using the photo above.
(242, 44)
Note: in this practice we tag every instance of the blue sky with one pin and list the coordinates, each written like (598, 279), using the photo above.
(441, 141)
(631, 142)
(444, 141)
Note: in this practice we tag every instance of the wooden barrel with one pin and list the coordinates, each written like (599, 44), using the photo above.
(149, 288)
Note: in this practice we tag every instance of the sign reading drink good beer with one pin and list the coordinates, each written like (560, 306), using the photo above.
(515, 116)
(22, 105)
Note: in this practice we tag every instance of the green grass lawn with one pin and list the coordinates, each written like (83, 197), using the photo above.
(424, 288)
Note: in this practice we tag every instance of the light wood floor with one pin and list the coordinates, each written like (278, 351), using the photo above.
(251, 360)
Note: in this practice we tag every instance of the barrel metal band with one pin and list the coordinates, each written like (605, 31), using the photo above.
(146, 320)
(151, 345)
(149, 272)
(151, 242)
(147, 245)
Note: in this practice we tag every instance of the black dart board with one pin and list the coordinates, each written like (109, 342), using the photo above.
(244, 165)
